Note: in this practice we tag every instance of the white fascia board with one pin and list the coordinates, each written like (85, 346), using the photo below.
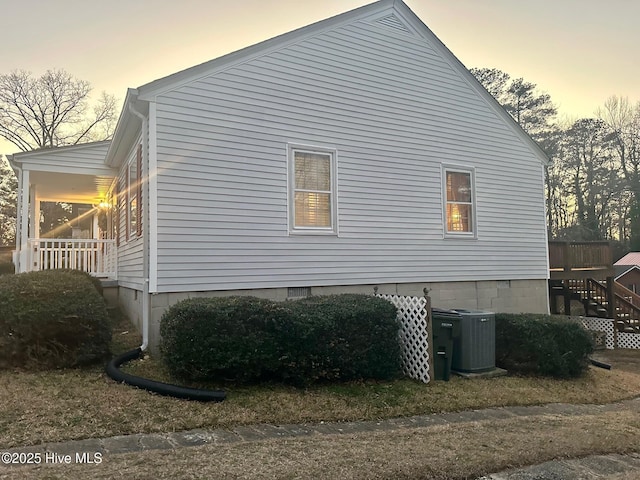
(98, 170)
(123, 128)
(171, 82)
(23, 157)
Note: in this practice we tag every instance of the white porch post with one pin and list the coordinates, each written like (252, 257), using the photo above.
(94, 228)
(34, 222)
(16, 253)
(24, 221)
(36, 216)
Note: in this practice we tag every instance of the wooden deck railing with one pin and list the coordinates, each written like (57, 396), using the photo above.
(97, 257)
(627, 294)
(580, 259)
(627, 314)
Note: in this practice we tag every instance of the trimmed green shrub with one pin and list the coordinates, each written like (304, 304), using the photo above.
(51, 319)
(344, 337)
(222, 338)
(6, 264)
(95, 281)
(7, 268)
(247, 339)
(542, 345)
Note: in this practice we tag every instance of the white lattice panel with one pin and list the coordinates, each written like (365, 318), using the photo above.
(412, 314)
(628, 340)
(601, 325)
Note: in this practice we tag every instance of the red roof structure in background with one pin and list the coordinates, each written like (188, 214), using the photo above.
(631, 258)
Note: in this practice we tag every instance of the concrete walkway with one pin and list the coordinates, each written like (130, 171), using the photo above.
(595, 467)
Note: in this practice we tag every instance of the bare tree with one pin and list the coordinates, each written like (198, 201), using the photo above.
(623, 120)
(47, 111)
(52, 110)
(589, 164)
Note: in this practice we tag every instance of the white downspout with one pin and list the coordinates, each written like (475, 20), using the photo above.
(146, 303)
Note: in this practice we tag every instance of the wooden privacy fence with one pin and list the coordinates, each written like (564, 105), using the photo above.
(414, 314)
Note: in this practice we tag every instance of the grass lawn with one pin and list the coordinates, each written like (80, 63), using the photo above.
(61, 405)
(75, 404)
(461, 451)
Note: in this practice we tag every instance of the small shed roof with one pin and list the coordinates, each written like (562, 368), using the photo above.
(631, 258)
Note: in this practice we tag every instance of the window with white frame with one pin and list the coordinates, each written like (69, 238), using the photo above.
(134, 193)
(459, 201)
(312, 196)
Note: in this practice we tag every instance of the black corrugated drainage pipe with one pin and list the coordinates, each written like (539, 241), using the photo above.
(159, 387)
(597, 363)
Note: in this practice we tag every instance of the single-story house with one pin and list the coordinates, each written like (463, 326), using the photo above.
(352, 153)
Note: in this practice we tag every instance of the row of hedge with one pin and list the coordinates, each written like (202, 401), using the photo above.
(535, 344)
(339, 337)
(248, 339)
(52, 319)
(56, 319)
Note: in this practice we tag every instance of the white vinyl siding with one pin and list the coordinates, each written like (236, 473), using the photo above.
(312, 192)
(395, 110)
(85, 159)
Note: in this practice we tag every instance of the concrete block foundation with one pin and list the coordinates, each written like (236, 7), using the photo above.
(503, 296)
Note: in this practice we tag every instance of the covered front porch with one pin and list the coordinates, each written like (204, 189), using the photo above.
(76, 176)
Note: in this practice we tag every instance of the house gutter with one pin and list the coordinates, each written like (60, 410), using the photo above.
(146, 301)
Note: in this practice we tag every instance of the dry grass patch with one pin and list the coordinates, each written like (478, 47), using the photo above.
(72, 404)
(75, 404)
(431, 452)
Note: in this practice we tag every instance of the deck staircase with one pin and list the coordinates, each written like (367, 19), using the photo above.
(593, 296)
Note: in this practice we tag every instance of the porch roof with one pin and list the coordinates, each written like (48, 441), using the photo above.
(74, 174)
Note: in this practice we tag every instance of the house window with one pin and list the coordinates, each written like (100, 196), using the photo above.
(134, 189)
(312, 201)
(459, 202)
(133, 198)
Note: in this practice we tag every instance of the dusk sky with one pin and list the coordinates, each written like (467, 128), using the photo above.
(578, 51)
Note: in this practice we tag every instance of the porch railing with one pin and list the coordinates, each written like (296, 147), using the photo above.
(96, 257)
(580, 259)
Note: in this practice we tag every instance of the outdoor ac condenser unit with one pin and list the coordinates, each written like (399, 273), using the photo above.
(475, 349)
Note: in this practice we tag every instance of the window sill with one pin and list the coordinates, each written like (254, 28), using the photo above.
(313, 232)
(461, 236)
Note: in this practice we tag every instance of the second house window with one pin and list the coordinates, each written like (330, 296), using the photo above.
(312, 190)
(459, 207)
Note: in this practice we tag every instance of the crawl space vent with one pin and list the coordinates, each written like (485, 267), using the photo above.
(298, 292)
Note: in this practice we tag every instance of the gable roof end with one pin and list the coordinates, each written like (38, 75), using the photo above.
(458, 66)
(170, 82)
(391, 13)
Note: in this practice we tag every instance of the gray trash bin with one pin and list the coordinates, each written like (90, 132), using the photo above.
(446, 328)
(474, 350)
